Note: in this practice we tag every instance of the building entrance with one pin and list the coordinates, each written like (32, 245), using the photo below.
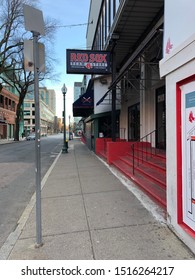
(134, 122)
(160, 118)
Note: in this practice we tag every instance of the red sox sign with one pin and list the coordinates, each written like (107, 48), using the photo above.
(88, 62)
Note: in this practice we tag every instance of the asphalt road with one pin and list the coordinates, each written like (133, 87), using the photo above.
(17, 177)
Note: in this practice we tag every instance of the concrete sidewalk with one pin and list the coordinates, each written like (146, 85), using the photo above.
(88, 213)
(10, 140)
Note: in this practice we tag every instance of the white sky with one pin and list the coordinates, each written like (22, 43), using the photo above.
(67, 12)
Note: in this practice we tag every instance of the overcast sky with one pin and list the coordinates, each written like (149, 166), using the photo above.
(67, 12)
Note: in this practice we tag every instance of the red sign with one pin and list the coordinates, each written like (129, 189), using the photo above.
(88, 62)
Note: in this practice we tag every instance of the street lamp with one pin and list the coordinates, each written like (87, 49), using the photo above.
(65, 146)
(69, 128)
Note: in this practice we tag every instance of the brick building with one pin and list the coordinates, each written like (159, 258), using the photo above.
(8, 105)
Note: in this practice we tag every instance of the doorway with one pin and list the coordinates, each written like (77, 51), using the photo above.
(161, 118)
(134, 122)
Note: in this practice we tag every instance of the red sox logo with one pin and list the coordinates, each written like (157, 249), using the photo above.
(191, 117)
(86, 100)
(168, 46)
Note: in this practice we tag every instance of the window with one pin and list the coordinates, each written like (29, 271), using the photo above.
(99, 38)
(104, 24)
(26, 113)
(117, 4)
(46, 98)
(102, 32)
(1, 99)
(111, 12)
(107, 16)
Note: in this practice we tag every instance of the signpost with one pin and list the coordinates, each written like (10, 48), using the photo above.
(34, 22)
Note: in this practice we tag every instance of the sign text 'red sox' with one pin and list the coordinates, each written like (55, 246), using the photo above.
(90, 62)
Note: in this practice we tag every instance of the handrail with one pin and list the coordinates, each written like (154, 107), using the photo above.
(146, 147)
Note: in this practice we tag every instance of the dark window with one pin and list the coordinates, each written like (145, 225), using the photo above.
(1, 99)
(26, 113)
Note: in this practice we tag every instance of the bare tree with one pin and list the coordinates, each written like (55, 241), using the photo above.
(12, 69)
(11, 25)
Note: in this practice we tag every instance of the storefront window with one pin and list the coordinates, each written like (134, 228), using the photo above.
(108, 16)
(103, 26)
(117, 4)
(105, 21)
(111, 12)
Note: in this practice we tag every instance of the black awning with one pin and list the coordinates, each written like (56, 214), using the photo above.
(84, 106)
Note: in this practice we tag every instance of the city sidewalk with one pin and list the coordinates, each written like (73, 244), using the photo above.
(6, 141)
(90, 213)
(10, 140)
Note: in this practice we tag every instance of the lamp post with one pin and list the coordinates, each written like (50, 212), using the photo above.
(64, 91)
(69, 128)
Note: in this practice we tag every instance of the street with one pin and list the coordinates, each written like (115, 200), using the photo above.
(17, 173)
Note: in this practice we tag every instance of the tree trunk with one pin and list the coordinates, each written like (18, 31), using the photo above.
(17, 127)
(19, 116)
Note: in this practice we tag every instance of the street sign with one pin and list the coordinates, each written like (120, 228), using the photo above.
(29, 57)
(33, 19)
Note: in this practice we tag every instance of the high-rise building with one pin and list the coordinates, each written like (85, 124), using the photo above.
(77, 90)
(47, 102)
(77, 93)
(48, 96)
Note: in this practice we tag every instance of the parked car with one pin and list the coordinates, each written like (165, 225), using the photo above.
(30, 137)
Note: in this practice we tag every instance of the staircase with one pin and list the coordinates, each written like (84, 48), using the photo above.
(146, 167)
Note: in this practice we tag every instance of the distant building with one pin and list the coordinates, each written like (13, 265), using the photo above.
(47, 112)
(48, 96)
(79, 89)
(77, 93)
(8, 105)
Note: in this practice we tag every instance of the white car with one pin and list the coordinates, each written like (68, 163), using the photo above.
(30, 137)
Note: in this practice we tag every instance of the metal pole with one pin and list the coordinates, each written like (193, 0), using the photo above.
(113, 116)
(37, 142)
(65, 149)
(64, 119)
(69, 127)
